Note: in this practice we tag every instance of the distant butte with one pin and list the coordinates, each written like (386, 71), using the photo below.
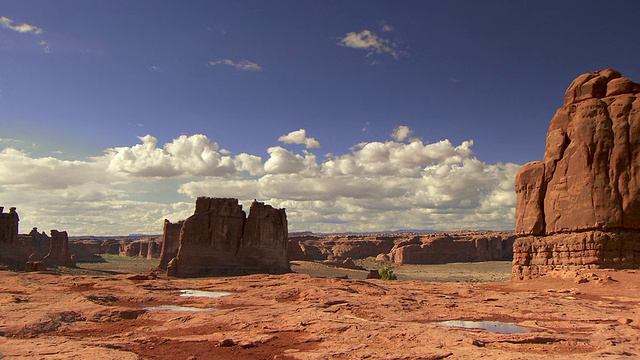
(218, 239)
(580, 207)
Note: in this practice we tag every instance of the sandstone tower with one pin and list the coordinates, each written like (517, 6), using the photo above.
(9, 226)
(580, 206)
(218, 239)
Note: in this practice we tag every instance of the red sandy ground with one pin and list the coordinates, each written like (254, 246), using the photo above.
(299, 317)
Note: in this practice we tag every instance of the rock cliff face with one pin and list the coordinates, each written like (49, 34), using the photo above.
(583, 200)
(59, 251)
(457, 247)
(148, 248)
(219, 240)
(170, 243)
(406, 248)
(11, 251)
(9, 226)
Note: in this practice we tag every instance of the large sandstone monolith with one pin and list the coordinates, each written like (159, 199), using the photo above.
(170, 242)
(580, 206)
(59, 250)
(9, 226)
(219, 240)
(12, 252)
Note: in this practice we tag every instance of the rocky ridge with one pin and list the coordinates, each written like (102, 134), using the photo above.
(405, 248)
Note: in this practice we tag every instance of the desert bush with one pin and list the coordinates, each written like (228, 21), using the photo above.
(386, 272)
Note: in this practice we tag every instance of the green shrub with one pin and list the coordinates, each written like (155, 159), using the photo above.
(386, 273)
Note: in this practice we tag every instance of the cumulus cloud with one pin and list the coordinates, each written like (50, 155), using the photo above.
(23, 28)
(369, 41)
(391, 157)
(48, 172)
(401, 133)
(373, 186)
(187, 155)
(242, 65)
(300, 137)
(283, 161)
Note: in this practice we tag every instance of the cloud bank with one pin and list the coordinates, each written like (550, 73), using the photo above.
(377, 185)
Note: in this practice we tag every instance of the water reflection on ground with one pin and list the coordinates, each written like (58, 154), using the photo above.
(202, 293)
(178, 308)
(493, 326)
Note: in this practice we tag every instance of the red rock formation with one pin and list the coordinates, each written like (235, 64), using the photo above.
(147, 248)
(406, 248)
(154, 248)
(170, 242)
(454, 247)
(587, 182)
(59, 251)
(86, 250)
(357, 246)
(12, 252)
(9, 226)
(129, 248)
(218, 239)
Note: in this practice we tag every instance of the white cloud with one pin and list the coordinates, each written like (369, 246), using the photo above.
(249, 163)
(377, 158)
(242, 65)
(187, 155)
(300, 137)
(367, 40)
(48, 172)
(283, 161)
(401, 133)
(387, 28)
(374, 186)
(23, 28)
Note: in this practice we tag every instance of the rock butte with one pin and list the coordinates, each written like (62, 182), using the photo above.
(580, 206)
(218, 239)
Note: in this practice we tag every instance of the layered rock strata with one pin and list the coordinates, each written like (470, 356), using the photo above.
(580, 206)
(218, 239)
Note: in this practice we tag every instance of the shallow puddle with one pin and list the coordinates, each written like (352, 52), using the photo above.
(179, 308)
(202, 293)
(493, 326)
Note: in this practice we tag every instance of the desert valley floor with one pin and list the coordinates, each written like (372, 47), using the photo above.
(45, 315)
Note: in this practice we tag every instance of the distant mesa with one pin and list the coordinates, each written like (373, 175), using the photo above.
(218, 239)
(580, 207)
(403, 248)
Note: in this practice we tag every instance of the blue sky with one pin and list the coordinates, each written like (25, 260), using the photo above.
(426, 109)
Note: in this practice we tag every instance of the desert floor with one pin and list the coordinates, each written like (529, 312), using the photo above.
(103, 315)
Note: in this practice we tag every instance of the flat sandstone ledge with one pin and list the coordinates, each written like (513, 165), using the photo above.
(296, 316)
